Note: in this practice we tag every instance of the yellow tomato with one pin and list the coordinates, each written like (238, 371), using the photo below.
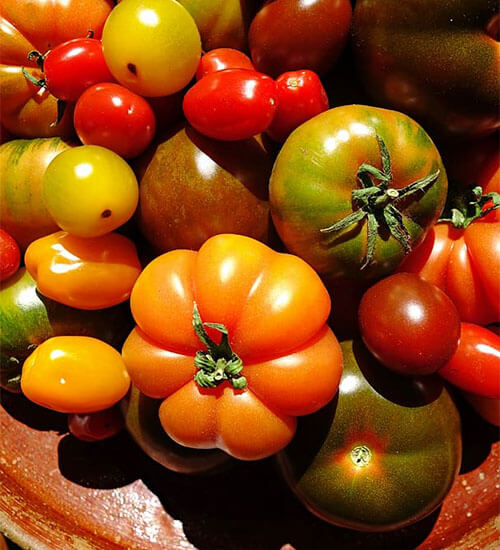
(74, 374)
(152, 47)
(89, 191)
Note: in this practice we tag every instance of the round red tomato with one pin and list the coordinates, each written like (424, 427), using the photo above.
(410, 325)
(300, 97)
(475, 366)
(10, 255)
(231, 105)
(114, 117)
(72, 67)
(221, 59)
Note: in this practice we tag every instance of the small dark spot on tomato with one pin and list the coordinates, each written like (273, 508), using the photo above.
(106, 213)
(132, 68)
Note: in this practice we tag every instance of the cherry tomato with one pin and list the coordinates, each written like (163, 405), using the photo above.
(410, 325)
(96, 426)
(231, 105)
(300, 97)
(74, 374)
(90, 191)
(475, 366)
(222, 58)
(72, 67)
(112, 116)
(152, 47)
(10, 256)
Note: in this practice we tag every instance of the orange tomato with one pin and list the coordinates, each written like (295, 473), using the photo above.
(85, 273)
(237, 384)
(74, 374)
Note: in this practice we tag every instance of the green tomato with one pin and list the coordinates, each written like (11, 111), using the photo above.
(152, 47)
(89, 191)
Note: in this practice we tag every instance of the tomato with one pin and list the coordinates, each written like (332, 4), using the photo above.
(233, 339)
(220, 59)
(85, 273)
(89, 191)
(74, 374)
(114, 117)
(338, 186)
(27, 25)
(96, 426)
(410, 325)
(232, 104)
(487, 408)
(475, 366)
(151, 47)
(288, 35)
(300, 96)
(383, 455)
(10, 255)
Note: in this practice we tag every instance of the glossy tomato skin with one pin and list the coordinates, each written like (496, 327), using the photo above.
(10, 255)
(300, 96)
(72, 67)
(221, 59)
(315, 174)
(231, 105)
(475, 366)
(382, 455)
(96, 426)
(409, 325)
(112, 116)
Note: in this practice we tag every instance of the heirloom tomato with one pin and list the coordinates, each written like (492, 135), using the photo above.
(233, 339)
(151, 47)
(409, 325)
(10, 256)
(27, 110)
(221, 59)
(382, 455)
(231, 105)
(354, 189)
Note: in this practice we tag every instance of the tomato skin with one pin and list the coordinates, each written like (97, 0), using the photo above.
(96, 426)
(74, 374)
(221, 59)
(10, 255)
(262, 297)
(300, 96)
(231, 105)
(72, 67)
(475, 366)
(409, 325)
(488, 409)
(112, 116)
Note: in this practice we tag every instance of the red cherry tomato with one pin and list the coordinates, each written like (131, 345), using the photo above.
(112, 116)
(231, 105)
(410, 325)
(300, 97)
(73, 66)
(96, 426)
(10, 255)
(222, 58)
(475, 366)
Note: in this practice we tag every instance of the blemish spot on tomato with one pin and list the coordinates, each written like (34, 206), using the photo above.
(132, 68)
(106, 213)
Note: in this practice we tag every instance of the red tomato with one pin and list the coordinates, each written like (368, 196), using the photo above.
(232, 104)
(114, 117)
(300, 97)
(222, 58)
(488, 409)
(410, 325)
(10, 255)
(475, 366)
(96, 426)
(73, 66)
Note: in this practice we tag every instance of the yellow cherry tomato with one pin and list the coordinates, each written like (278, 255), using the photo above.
(152, 47)
(92, 273)
(90, 191)
(74, 374)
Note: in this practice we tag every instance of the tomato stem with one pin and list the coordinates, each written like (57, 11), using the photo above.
(470, 205)
(218, 363)
(378, 203)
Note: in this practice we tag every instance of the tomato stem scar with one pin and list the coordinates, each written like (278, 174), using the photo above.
(361, 455)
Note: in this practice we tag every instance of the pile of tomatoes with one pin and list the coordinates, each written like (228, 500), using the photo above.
(189, 228)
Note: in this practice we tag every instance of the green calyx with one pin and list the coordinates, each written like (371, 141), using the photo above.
(469, 206)
(218, 363)
(378, 203)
